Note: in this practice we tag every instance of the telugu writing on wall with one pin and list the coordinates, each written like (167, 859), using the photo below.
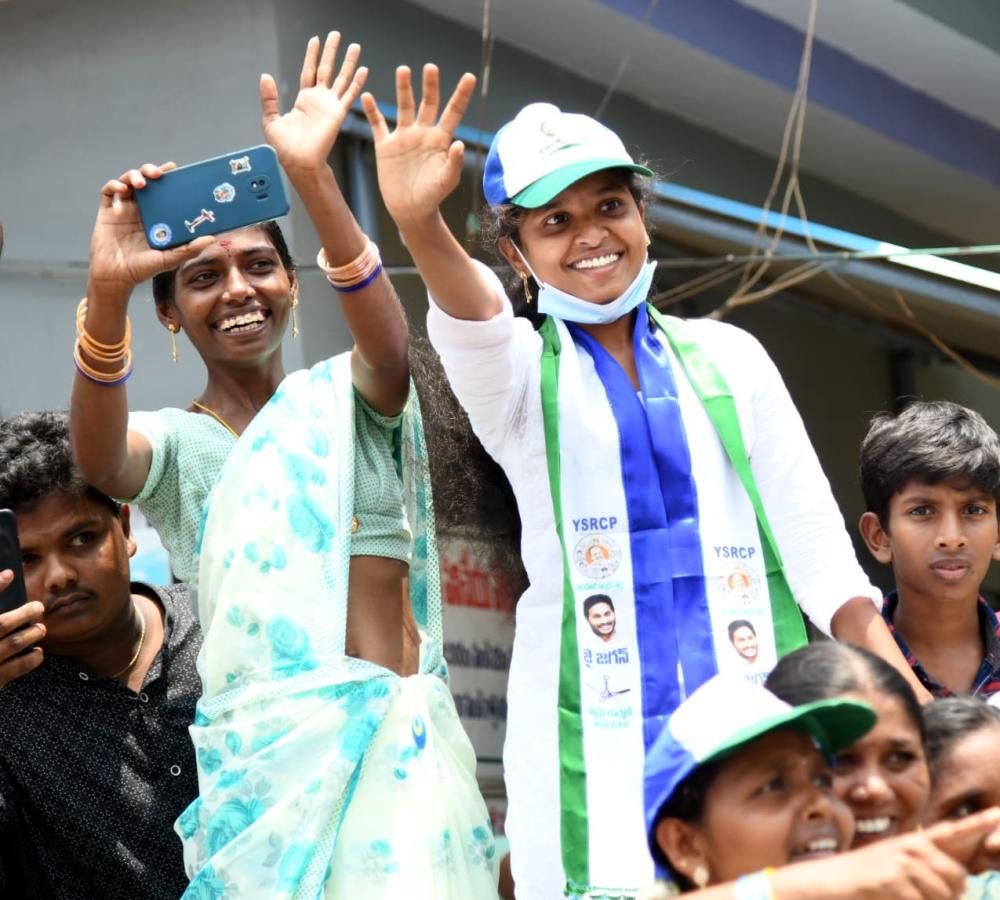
(479, 592)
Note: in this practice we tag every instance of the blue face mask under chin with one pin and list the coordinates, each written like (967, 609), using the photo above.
(555, 302)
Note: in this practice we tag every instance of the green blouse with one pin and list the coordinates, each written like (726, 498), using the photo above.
(189, 450)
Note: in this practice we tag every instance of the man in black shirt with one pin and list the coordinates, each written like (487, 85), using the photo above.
(95, 759)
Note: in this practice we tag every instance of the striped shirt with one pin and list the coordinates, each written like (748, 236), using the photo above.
(987, 680)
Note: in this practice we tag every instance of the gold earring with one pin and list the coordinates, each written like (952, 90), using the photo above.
(649, 240)
(295, 322)
(527, 290)
(699, 876)
(173, 328)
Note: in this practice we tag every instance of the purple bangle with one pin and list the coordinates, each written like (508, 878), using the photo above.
(114, 383)
(361, 284)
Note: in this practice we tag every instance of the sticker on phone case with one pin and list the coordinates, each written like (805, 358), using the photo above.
(240, 165)
(224, 193)
(206, 216)
(160, 234)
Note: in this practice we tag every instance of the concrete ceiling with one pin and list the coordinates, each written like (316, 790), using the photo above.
(903, 108)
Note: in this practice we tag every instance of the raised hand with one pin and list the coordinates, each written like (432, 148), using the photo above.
(420, 163)
(120, 257)
(304, 136)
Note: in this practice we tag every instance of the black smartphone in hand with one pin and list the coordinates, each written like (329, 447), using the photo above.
(10, 558)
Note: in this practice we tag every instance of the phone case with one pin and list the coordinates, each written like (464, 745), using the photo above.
(10, 558)
(215, 195)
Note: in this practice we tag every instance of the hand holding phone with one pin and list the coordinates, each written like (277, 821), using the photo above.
(120, 257)
(14, 594)
(20, 621)
(20, 631)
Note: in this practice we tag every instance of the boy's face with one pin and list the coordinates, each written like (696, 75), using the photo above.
(75, 554)
(940, 539)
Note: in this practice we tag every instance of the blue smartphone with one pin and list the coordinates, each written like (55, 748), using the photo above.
(10, 558)
(231, 191)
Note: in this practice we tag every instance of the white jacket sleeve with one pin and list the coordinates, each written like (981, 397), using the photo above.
(822, 569)
(490, 364)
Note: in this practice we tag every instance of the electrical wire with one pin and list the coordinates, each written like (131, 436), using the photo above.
(485, 68)
(694, 262)
(623, 65)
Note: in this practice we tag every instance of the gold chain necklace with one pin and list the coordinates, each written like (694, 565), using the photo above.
(138, 650)
(217, 417)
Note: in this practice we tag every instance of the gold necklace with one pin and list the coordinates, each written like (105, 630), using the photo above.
(217, 417)
(138, 650)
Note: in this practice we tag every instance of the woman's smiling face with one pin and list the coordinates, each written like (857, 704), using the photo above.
(771, 803)
(884, 777)
(589, 241)
(233, 299)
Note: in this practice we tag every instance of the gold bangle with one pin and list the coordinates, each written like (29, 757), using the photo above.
(100, 359)
(355, 272)
(354, 267)
(99, 355)
(106, 378)
(94, 347)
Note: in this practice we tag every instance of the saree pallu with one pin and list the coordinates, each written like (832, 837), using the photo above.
(321, 775)
(985, 886)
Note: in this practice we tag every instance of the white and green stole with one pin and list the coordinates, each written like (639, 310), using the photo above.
(658, 512)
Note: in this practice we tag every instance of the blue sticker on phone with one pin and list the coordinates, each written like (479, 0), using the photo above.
(160, 234)
(224, 193)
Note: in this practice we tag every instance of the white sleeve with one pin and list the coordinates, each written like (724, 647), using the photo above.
(489, 363)
(822, 569)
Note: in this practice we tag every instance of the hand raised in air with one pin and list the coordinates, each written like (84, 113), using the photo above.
(420, 162)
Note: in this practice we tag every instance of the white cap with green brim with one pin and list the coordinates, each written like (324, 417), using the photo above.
(724, 715)
(544, 150)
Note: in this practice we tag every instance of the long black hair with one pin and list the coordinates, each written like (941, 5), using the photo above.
(471, 492)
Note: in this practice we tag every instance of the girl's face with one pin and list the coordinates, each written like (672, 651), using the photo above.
(883, 778)
(233, 299)
(590, 241)
(772, 803)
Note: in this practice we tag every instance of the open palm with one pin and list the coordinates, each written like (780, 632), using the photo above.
(420, 163)
(304, 136)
